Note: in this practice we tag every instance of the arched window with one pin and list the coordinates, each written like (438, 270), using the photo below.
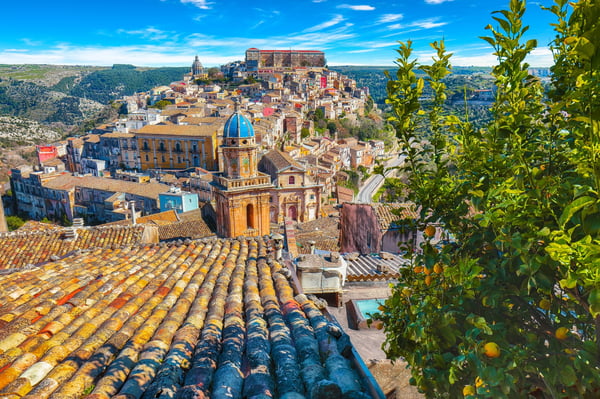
(161, 146)
(178, 147)
(292, 180)
(146, 148)
(250, 216)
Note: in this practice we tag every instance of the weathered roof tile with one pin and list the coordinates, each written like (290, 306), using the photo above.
(213, 318)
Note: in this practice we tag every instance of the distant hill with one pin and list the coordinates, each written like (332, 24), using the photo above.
(373, 77)
(66, 96)
(121, 80)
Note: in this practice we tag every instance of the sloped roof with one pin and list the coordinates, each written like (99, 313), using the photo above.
(369, 267)
(281, 160)
(389, 213)
(34, 225)
(187, 229)
(204, 319)
(17, 249)
(167, 216)
(67, 181)
(178, 130)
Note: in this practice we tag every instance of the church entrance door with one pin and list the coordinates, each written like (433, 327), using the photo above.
(293, 212)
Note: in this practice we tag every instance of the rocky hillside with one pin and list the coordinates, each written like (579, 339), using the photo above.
(39, 103)
(16, 131)
(67, 96)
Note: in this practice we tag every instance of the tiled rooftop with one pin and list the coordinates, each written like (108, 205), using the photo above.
(185, 229)
(323, 231)
(374, 267)
(280, 159)
(20, 248)
(213, 318)
(179, 130)
(66, 181)
(34, 225)
(389, 213)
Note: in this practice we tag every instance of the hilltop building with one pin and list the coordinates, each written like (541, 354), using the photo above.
(256, 58)
(197, 68)
(242, 192)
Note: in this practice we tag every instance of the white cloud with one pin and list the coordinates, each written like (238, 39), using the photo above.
(387, 18)
(150, 33)
(357, 8)
(66, 54)
(30, 42)
(368, 50)
(421, 24)
(436, 1)
(327, 24)
(202, 4)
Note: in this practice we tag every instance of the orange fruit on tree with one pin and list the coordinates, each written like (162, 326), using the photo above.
(427, 280)
(418, 269)
(468, 390)
(561, 333)
(427, 271)
(437, 268)
(478, 382)
(429, 231)
(491, 349)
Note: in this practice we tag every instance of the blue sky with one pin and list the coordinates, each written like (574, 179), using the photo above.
(172, 32)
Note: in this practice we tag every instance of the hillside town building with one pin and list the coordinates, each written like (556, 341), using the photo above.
(256, 58)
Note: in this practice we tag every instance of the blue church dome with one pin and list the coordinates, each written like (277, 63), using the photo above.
(238, 126)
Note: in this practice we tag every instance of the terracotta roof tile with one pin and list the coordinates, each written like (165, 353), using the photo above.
(167, 216)
(33, 225)
(179, 130)
(389, 213)
(280, 159)
(18, 249)
(67, 181)
(210, 318)
(189, 229)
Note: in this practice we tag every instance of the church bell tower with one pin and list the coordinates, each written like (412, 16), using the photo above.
(242, 192)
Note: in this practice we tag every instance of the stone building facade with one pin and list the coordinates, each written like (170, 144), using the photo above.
(256, 58)
(294, 194)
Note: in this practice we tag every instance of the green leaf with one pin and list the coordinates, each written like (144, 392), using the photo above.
(569, 282)
(568, 376)
(573, 207)
(594, 302)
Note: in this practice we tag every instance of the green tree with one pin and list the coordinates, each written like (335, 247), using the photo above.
(332, 127)
(162, 104)
(510, 306)
(14, 222)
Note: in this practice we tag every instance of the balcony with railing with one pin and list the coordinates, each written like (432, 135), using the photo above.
(236, 184)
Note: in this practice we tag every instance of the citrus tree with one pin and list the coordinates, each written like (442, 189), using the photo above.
(509, 305)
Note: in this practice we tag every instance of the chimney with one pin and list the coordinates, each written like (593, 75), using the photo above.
(311, 245)
(133, 215)
(278, 239)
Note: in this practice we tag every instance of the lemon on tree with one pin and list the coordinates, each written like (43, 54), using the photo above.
(491, 349)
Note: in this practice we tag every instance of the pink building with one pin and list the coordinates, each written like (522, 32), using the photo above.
(46, 152)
